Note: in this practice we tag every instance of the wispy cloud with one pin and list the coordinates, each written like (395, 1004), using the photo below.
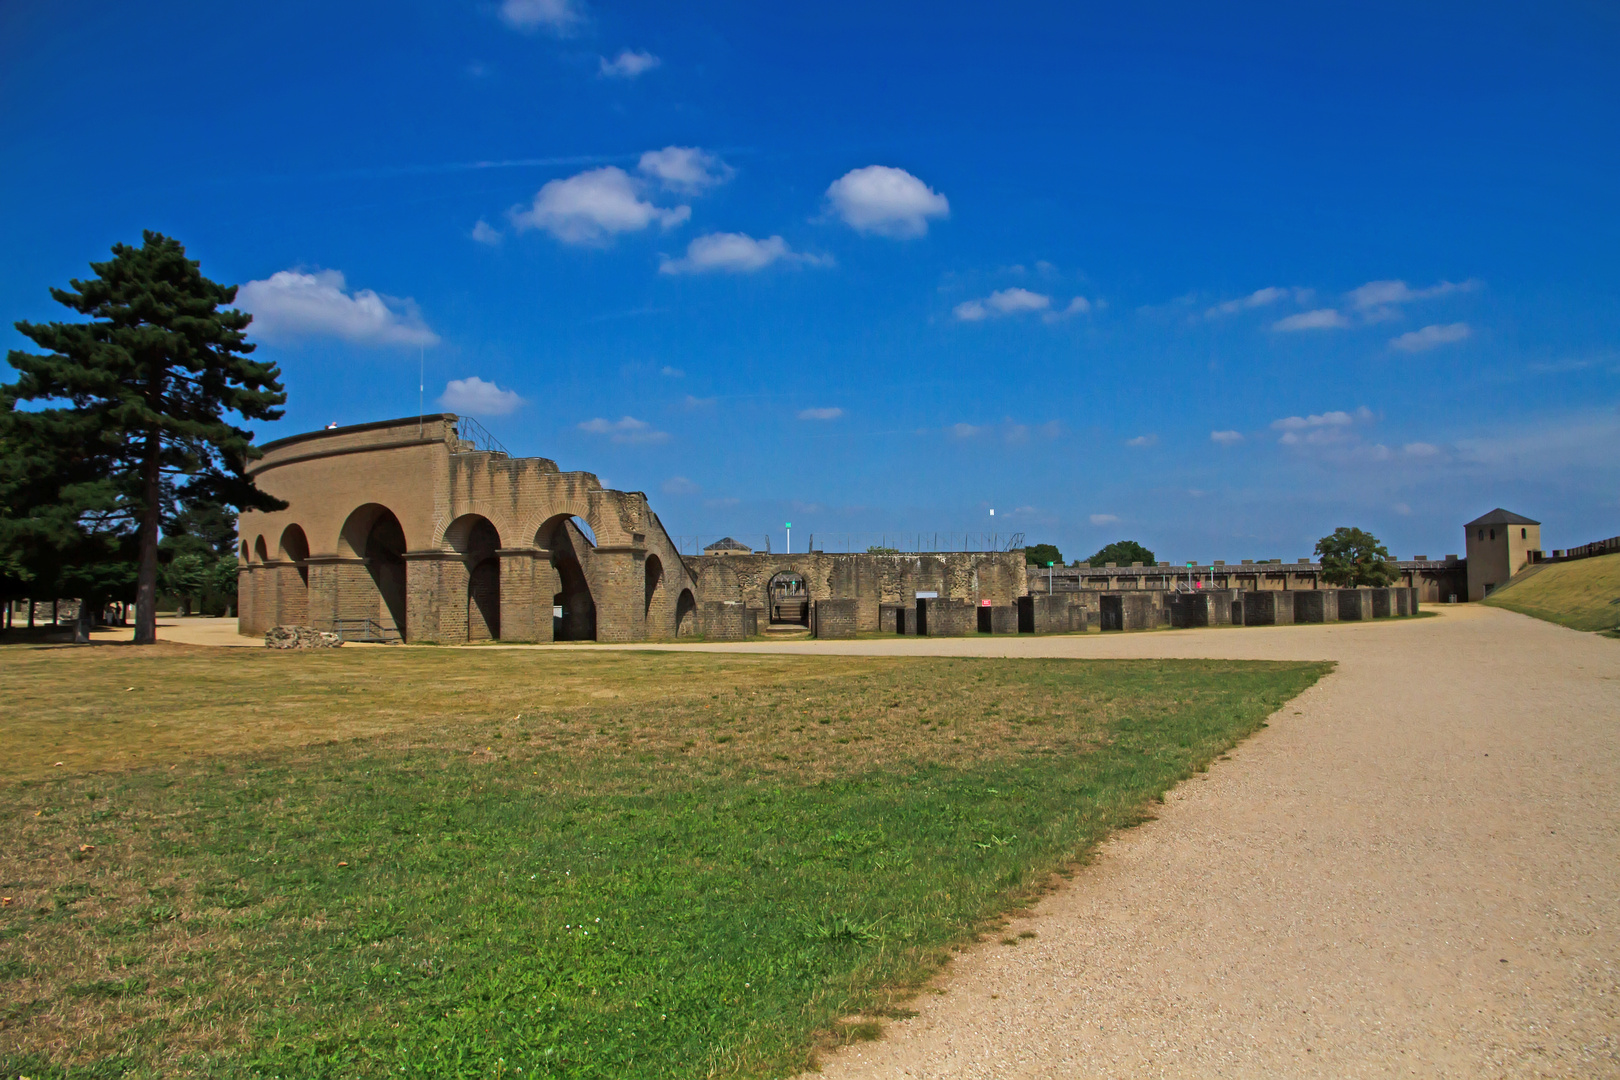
(1226, 438)
(1320, 319)
(485, 233)
(1077, 306)
(559, 17)
(626, 429)
(1105, 519)
(736, 253)
(1430, 337)
(831, 413)
(679, 485)
(1377, 294)
(628, 64)
(1014, 301)
(1319, 428)
(1143, 440)
(1260, 298)
(687, 170)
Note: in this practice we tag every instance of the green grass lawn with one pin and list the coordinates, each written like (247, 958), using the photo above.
(1582, 595)
(468, 863)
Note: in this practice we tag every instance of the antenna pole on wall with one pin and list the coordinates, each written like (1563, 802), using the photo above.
(421, 385)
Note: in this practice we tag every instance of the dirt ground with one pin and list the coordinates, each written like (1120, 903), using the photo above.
(1413, 871)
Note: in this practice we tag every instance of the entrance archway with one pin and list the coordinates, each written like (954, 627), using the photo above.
(479, 542)
(655, 598)
(787, 600)
(573, 609)
(685, 614)
(293, 588)
(374, 534)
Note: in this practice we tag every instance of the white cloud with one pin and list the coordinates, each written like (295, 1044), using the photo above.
(693, 402)
(1378, 294)
(1320, 319)
(1143, 440)
(886, 201)
(1105, 519)
(1078, 306)
(1225, 438)
(717, 504)
(680, 485)
(291, 303)
(735, 253)
(1420, 450)
(671, 372)
(628, 64)
(626, 429)
(685, 169)
(965, 431)
(832, 413)
(1014, 301)
(560, 17)
(1338, 418)
(593, 206)
(484, 233)
(1257, 299)
(476, 397)
(1430, 336)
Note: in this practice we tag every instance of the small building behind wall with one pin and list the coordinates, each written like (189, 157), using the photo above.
(404, 530)
(1500, 544)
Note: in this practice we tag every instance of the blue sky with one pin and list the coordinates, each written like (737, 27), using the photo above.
(1217, 278)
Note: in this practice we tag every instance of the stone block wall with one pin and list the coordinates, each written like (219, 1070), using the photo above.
(898, 618)
(720, 620)
(945, 617)
(1383, 604)
(1355, 605)
(1268, 608)
(1003, 620)
(1316, 606)
(834, 619)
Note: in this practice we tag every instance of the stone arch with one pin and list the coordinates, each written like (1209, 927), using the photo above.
(787, 599)
(244, 551)
(479, 542)
(292, 585)
(373, 535)
(570, 543)
(260, 552)
(654, 596)
(685, 614)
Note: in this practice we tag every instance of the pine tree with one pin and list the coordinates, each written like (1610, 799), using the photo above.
(149, 381)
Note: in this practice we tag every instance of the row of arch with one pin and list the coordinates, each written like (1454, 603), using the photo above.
(373, 534)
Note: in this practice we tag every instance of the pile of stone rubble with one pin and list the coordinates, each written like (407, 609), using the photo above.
(300, 637)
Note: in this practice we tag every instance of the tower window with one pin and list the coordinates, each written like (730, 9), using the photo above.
(1524, 534)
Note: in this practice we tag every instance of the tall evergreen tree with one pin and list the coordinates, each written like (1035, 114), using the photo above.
(148, 382)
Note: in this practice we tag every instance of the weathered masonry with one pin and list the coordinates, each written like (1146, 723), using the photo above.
(1436, 580)
(405, 530)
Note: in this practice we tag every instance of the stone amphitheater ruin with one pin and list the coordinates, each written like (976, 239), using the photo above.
(415, 530)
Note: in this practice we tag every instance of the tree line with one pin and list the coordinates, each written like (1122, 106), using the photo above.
(122, 466)
(1351, 558)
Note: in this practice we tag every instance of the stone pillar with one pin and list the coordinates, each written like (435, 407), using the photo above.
(436, 597)
(619, 593)
(544, 584)
(520, 609)
(247, 615)
(326, 577)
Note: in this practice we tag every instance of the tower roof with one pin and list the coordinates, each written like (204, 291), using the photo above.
(728, 544)
(1500, 516)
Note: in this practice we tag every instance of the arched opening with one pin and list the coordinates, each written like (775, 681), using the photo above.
(573, 609)
(653, 595)
(293, 588)
(477, 539)
(244, 551)
(685, 614)
(374, 535)
(787, 600)
(260, 550)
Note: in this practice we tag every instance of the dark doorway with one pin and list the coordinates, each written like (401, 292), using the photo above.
(385, 560)
(1111, 612)
(573, 609)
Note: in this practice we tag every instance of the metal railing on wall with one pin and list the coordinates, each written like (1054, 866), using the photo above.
(469, 430)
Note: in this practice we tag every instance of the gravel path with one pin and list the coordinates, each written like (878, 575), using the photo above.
(1413, 871)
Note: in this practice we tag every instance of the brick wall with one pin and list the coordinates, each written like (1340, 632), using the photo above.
(835, 618)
